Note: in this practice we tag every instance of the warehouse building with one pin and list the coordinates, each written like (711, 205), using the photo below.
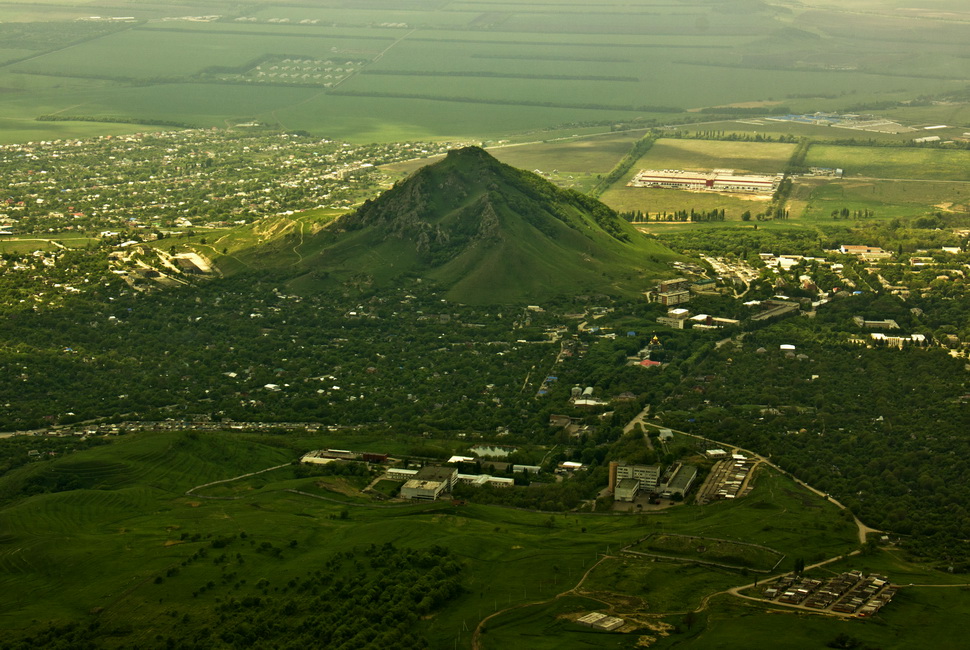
(718, 180)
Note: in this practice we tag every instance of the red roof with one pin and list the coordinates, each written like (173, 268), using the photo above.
(647, 363)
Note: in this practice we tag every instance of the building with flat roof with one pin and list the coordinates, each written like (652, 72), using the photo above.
(430, 483)
(647, 475)
(670, 298)
(718, 180)
(626, 489)
(681, 479)
(675, 318)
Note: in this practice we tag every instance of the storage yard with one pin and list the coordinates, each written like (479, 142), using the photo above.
(849, 593)
(729, 478)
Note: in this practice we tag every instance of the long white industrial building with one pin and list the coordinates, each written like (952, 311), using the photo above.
(719, 180)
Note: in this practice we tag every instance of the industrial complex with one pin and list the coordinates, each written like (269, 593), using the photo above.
(718, 180)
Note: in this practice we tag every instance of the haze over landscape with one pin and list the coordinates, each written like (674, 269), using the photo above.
(460, 324)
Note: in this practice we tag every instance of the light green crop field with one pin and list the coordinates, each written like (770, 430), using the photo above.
(893, 163)
(461, 69)
(653, 200)
(705, 155)
(883, 198)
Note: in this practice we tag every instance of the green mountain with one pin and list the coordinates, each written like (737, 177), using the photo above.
(488, 233)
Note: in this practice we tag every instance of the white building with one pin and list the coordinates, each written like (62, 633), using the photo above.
(718, 180)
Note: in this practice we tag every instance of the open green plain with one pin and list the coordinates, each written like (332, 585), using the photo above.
(458, 69)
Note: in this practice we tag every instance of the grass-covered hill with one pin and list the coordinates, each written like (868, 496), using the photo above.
(485, 231)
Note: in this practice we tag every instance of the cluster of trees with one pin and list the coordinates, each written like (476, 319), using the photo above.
(870, 426)
(845, 213)
(637, 151)
(212, 350)
(732, 136)
(372, 597)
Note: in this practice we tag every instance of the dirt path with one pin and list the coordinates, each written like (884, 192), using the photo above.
(476, 636)
(229, 480)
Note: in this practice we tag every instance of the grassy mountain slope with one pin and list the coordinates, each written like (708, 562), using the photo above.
(486, 231)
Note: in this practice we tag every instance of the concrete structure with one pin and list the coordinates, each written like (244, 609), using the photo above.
(898, 341)
(670, 298)
(675, 318)
(500, 481)
(887, 324)
(681, 479)
(674, 284)
(398, 474)
(718, 180)
(430, 482)
(324, 456)
(626, 489)
(526, 469)
(864, 252)
(708, 322)
(601, 621)
(716, 454)
(647, 475)
(310, 459)
(472, 479)
(702, 285)
(774, 308)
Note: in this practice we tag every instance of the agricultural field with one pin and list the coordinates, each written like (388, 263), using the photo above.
(657, 201)
(893, 163)
(699, 155)
(889, 182)
(396, 70)
(884, 199)
(704, 155)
